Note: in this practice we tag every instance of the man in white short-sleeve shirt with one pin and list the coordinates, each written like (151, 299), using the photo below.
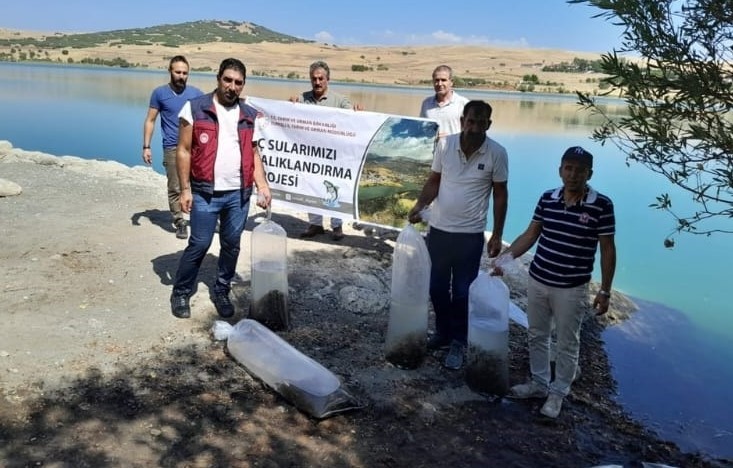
(445, 106)
(468, 168)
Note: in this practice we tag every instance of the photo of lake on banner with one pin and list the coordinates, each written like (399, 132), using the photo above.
(395, 168)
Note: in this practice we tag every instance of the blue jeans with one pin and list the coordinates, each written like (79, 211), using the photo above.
(456, 259)
(231, 209)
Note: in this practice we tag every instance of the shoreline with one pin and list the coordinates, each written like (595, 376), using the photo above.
(621, 310)
(340, 82)
(503, 68)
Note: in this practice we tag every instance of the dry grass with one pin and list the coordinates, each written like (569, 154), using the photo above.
(406, 65)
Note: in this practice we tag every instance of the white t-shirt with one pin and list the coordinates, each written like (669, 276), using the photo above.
(447, 115)
(465, 184)
(228, 164)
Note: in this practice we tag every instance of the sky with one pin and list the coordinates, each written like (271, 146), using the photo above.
(535, 24)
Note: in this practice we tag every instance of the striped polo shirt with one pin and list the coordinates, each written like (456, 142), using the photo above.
(567, 245)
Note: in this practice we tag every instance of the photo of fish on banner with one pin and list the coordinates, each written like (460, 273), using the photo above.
(332, 195)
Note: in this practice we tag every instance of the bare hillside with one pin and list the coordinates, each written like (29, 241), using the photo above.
(490, 67)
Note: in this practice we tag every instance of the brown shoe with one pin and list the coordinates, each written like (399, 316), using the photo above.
(312, 231)
(337, 234)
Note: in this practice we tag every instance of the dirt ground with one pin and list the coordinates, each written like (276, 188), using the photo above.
(95, 371)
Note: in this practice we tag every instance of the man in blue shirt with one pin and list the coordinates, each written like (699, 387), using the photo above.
(167, 100)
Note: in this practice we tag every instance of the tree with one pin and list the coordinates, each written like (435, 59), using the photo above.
(679, 97)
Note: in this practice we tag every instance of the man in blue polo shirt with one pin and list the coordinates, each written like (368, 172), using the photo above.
(168, 100)
(568, 224)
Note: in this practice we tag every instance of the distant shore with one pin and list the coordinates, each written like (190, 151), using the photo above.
(497, 68)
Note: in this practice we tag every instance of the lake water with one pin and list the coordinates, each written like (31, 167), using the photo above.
(672, 361)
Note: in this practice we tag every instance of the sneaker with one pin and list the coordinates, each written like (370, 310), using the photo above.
(552, 406)
(179, 306)
(436, 342)
(454, 358)
(312, 231)
(223, 304)
(527, 390)
(182, 230)
(337, 234)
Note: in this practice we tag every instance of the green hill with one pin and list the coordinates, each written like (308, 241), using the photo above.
(168, 35)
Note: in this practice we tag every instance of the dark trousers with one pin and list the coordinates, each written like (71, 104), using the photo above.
(456, 258)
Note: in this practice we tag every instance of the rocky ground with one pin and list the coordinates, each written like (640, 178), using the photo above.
(96, 372)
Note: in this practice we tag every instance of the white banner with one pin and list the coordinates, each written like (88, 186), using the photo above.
(343, 163)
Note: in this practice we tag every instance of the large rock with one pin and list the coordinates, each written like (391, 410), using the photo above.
(362, 301)
(5, 147)
(9, 188)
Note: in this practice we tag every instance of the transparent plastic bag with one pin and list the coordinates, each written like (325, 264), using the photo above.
(269, 275)
(509, 266)
(301, 380)
(487, 370)
(405, 344)
(221, 330)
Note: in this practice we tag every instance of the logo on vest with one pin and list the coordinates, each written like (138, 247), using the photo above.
(204, 138)
(584, 218)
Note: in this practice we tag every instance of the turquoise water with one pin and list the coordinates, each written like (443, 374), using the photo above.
(98, 114)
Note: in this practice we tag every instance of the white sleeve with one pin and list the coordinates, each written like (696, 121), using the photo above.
(185, 113)
(424, 108)
(501, 165)
(440, 149)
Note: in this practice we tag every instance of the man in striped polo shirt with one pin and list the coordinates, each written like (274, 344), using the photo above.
(568, 225)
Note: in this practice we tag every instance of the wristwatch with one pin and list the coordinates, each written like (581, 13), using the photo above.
(146, 147)
(604, 293)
